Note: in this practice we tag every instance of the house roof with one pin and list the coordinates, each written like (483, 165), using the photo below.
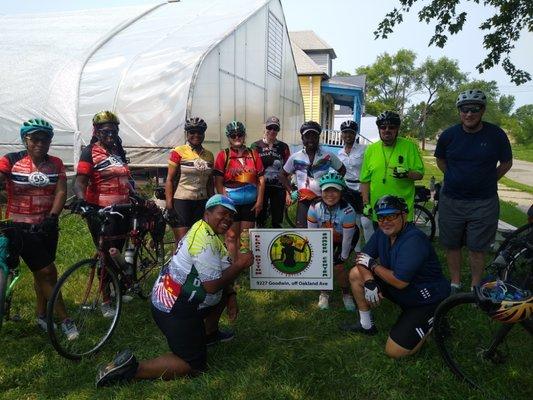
(308, 41)
(304, 64)
(352, 80)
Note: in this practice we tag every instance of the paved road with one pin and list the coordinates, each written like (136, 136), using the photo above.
(522, 172)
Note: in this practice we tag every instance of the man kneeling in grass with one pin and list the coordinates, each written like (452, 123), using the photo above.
(408, 273)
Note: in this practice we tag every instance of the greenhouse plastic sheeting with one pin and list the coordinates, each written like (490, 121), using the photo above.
(136, 61)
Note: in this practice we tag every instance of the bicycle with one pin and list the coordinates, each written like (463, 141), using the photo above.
(423, 218)
(92, 288)
(9, 274)
(473, 341)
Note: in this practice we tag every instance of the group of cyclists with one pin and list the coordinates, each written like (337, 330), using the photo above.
(252, 184)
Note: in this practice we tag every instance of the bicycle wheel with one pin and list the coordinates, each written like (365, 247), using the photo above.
(424, 220)
(148, 259)
(524, 231)
(85, 287)
(479, 350)
(3, 290)
(517, 251)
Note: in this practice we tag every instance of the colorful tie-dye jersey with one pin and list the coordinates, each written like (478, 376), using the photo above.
(201, 256)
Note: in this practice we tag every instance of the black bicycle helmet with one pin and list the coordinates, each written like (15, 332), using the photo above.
(310, 126)
(195, 124)
(474, 96)
(388, 117)
(389, 204)
(348, 126)
(235, 127)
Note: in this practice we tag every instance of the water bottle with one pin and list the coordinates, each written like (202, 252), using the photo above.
(128, 258)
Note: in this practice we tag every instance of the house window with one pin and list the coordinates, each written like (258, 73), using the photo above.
(275, 45)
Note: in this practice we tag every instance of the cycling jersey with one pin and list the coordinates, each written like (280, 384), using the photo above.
(30, 189)
(273, 159)
(307, 175)
(196, 167)
(340, 217)
(201, 256)
(108, 176)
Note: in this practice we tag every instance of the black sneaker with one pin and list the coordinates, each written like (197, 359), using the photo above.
(357, 328)
(122, 368)
(219, 336)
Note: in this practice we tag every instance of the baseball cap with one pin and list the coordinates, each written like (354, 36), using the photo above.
(272, 121)
(220, 200)
(331, 184)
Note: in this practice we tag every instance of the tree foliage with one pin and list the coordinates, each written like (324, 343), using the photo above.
(502, 29)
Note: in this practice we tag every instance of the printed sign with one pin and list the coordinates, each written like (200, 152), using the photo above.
(291, 259)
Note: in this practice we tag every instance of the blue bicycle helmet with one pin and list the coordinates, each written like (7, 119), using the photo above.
(36, 125)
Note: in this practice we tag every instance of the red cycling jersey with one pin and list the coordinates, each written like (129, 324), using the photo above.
(30, 189)
(108, 176)
(239, 170)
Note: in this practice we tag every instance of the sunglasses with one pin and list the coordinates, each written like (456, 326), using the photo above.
(108, 132)
(236, 135)
(388, 218)
(472, 109)
(385, 127)
(272, 128)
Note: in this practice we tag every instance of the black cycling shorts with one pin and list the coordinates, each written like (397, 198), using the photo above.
(413, 324)
(245, 213)
(38, 250)
(188, 211)
(184, 330)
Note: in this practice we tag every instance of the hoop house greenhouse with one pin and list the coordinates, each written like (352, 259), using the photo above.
(153, 66)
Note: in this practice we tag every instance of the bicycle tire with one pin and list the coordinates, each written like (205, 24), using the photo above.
(424, 220)
(83, 307)
(469, 342)
(3, 291)
(518, 269)
(148, 259)
(520, 231)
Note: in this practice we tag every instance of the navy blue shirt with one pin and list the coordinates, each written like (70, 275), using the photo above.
(411, 259)
(471, 160)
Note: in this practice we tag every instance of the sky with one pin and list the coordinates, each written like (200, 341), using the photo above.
(348, 26)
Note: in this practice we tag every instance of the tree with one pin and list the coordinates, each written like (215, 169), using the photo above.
(430, 78)
(522, 129)
(503, 28)
(389, 82)
(342, 73)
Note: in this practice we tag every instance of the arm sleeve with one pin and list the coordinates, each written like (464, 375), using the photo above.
(371, 247)
(417, 162)
(348, 231)
(220, 161)
(506, 153)
(174, 158)
(85, 165)
(289, 165)
(412, 256)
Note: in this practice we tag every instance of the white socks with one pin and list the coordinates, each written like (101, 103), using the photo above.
(365, 317)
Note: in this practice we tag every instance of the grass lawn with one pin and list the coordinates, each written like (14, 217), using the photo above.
(285, 349)
(523, 152)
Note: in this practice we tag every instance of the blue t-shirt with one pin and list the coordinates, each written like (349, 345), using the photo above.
(471, 160)
(411, 259)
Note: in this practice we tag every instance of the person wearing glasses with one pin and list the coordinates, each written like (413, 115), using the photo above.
(239, 174)
(36, 187)
(274, 154)
(103, 179)
(308, 165)
(189, 180)
(399, 264)
(390, 166)
(473, 155)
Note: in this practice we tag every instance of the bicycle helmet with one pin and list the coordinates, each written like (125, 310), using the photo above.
(332, 179)
(474, 96)
(235, 127)
(220, 200)
(195, 124)
(310, 126)
(506, 303)
(349, 126)
(389, 204)
(105, 117)
(36, 125)
(388, 117)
